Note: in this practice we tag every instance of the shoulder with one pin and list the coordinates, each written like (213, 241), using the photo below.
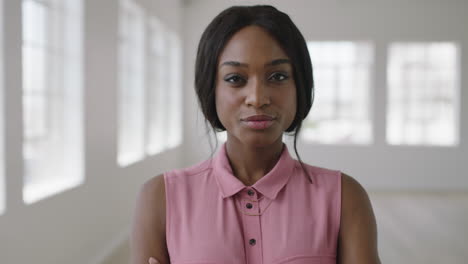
(358, 228)
(352, 191)
(155, 185)
(152, 193)
(154, 182)
(355, 201)
(151, 200)
(148, 229)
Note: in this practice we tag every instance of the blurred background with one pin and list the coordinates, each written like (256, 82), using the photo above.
(97, 97)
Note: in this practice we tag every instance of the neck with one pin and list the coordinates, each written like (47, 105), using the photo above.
(250, 163)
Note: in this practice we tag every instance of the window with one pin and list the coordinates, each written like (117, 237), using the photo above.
(157, 92)
(150, 86)
(132, 84)
(174, 103)
(422, 94)
(52, 97)
(341, 110)
(164, 89)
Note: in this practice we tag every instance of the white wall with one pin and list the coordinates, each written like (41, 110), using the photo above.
(77, 226)
(378, 166)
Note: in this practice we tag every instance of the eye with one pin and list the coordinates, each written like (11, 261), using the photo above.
(278, 76)
(234, 79)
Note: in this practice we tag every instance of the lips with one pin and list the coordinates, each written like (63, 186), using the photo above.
(259, 118)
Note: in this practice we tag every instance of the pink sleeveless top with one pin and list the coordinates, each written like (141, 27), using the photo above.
(213, 218)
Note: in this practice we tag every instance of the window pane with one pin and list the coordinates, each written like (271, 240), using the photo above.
(341, 110)
(164, 89)
(35, 21)
(52, 98)
(175, 93)
(132, 84)
(422, 84)
(157, 88)
(35, 94)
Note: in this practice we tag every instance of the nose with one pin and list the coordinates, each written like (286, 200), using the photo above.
(257, 93)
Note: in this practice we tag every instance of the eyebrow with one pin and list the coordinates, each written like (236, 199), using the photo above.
(271, 63)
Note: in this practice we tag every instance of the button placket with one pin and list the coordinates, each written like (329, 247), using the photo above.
(249, 205)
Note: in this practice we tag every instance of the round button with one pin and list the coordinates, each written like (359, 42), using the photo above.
(250, 192)
(252, 242)
(249, 205)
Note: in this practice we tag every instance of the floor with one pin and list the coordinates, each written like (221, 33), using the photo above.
(422, 228)
(416, 228)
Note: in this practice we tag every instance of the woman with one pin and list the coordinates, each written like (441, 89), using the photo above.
(252, 202)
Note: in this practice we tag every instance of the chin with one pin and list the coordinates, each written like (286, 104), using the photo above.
(260, 140)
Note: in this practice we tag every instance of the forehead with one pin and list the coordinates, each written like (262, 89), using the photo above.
(250, 44)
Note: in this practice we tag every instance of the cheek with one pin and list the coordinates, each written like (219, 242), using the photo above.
(223, 97)
(225, 103)
(291, 103)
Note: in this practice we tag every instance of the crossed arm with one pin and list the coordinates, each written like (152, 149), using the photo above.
(357, 242)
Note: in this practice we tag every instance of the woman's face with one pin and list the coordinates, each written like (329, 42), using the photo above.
(255, 77)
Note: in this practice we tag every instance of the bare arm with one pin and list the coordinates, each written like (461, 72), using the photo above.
(148, 234)
(357, 243)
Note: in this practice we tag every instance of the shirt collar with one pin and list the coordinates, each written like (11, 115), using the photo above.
(269, 185)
